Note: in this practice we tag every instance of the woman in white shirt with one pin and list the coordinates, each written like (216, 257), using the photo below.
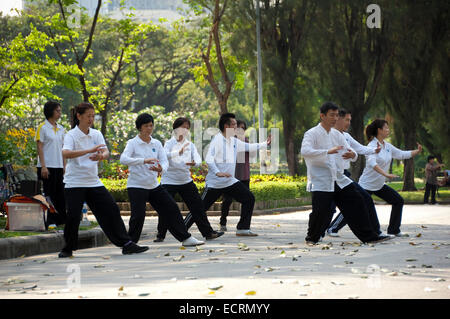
(182, 155)
(376, 171)
(146, 158)
(83, 148)
(50, 165)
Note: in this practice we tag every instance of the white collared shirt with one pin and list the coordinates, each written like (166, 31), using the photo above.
(52, 139)
(178, 172)
(136, 151)
(82, 171)
(221, 157)
(324, 169)
(371, 179)
(359, 148)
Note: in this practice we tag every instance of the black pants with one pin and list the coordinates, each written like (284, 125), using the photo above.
(351, 204)
(189, 194)
(226, 203)
(238, 192)
(430, 188)
(103, 207)
(54, 188)
(165, 206)
(340, 221)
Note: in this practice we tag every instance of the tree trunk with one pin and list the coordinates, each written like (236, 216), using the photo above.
(289, 144)
(357, 132)
(408, 170)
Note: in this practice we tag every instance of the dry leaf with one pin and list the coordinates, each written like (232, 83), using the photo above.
(250, 293)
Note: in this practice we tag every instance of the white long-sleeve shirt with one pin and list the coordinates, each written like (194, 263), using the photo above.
(370, 178)
(359, 148)
(136, 151)
(221, 157)
(324, 169)
(178, 172)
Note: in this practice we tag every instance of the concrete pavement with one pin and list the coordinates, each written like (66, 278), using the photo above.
(276, 264)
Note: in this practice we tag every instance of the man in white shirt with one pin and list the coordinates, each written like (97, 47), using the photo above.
(324, 150)
(221, 160)
(342, 125)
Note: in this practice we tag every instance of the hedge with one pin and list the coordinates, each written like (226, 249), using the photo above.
(263, 191)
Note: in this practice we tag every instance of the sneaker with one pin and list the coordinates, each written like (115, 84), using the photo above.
(133, 248)
(214, 235)
(245, 232)
(65, 254)
(332, 233)
(158, 240)
(400, 234)
(310, 243)
(390, 235)
(380, 239)
(192, 241)
(223, 228)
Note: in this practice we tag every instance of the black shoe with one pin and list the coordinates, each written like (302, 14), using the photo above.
(158, 240)
(380, 239)
(132, 248)
(214, 235)
(65, 254)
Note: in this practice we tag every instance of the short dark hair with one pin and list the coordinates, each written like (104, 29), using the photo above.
(79, 109)
(240, 122)
(180, 121)
(49, 108)
(430, 157)
(142, 119)
(372, 128)
(328, 106)
(225, 119)
(343, 112)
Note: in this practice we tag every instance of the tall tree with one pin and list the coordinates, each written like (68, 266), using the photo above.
(351, 58)
(424, 26)
(284, 29)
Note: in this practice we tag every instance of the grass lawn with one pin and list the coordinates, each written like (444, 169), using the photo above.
(9, 234)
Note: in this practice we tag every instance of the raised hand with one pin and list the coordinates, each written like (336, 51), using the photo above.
(335, 149)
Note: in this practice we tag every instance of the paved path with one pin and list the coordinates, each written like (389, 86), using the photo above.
(276, 264)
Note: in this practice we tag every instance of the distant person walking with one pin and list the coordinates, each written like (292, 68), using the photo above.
(432, 169)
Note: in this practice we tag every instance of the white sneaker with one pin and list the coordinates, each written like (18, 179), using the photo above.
(245, 232)
(192, 241)
(390, 235)
(332, 234)
(400, 234)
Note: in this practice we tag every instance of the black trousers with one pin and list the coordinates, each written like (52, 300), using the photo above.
(189, 194)
(103, 207)
(351, 204)
(165, 206)
(430, 188)
(226, 203)
(340, 221)
(239, 192)
(392, 197)
(54, 188)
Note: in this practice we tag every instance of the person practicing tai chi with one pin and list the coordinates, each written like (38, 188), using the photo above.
(242, 173)
(83, 148)
(182, 155)
(322, 148)
(221, 160)
(342, 125)
(376, 171)
(146, 157)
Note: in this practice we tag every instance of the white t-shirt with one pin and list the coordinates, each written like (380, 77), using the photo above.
(82, 171)
(135, 153)
(52, 139)
(178, 172)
